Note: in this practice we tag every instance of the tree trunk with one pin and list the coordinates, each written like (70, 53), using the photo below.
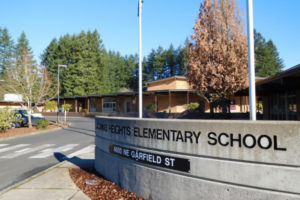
(225, 105)
(29, 115)
(211, 110)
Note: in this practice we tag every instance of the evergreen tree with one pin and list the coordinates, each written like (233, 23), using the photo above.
(6, 50)
(121, 71)
(182, 58)
(171, 64)
(267, 60)
(50, 58)
(163, 63)
(159, 67)
(132, 64)
(82, 54)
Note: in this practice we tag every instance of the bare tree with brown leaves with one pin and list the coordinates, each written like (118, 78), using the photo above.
(24, 77)
(217, 57)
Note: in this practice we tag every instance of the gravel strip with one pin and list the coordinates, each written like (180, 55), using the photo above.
(23, 131)
(97, 188)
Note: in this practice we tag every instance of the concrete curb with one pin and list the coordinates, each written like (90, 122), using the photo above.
(30, 178)
(32, 133)
(78, 193)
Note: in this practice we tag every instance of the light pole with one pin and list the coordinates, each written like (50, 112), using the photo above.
(58, 66)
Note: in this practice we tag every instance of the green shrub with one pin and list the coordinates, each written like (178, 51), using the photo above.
(7, 118)
(151, 107)
(193, 106)
(67, 107)
(84, 111)
(42, 124)
(51, 105)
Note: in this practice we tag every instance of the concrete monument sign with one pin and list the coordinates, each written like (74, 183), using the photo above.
(200, 159)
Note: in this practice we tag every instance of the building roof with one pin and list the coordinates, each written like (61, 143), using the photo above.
(288, 78)
(282, 81)
(169, 78)
(285, 81)
(99, 95)
(292, 72)
(127, 94)
(17, 102)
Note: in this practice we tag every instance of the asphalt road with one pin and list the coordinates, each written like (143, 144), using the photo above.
(23, 157)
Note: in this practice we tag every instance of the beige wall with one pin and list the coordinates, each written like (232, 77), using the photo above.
(177, 101)
(169, 84)
(182, 84)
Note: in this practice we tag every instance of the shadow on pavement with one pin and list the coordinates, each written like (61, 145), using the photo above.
(73, 127)
(85, 164)
(75, 130)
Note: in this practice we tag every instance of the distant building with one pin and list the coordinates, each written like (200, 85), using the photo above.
(281, 95)
(278, 98)
(13, 97)
(172, 95)
(12, 101)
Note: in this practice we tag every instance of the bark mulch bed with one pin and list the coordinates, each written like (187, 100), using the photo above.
(97, 188)
(23, 130)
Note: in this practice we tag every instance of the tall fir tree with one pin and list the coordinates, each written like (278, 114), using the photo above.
(163, 63)
(6, 50)
(82, 54)
(91, 69)
(132, 64)
(171, 64)
(267, 60)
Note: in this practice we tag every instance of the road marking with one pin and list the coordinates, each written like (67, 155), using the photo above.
(49, 152)
(87, 149)
(13, 147)
(2, 145)
(29, 150)
(22, 150)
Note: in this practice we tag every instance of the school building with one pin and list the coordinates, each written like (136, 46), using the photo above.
(278, 97)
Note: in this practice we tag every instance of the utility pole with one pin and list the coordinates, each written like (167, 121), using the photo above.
(252, 93)
(58, 66)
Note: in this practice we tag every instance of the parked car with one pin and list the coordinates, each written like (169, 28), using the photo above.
(22, 113)
(37, 115)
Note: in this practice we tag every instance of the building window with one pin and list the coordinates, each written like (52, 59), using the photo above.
(109, 105)
(128, 106)
(232, 105)
(93, 105)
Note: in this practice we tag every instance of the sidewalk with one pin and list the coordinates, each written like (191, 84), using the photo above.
(51, 184)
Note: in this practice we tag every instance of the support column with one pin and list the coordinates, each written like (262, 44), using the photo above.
(298, 104)
(76, 105)
(101, 104)
(156, 104)
(286, 106)
(241, 104)
(170, 103)
(266, 106)
(187, 97)
(248, 105)
(88, 104)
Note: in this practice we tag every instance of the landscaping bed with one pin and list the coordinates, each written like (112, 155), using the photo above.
(24, 130)
(97, 188)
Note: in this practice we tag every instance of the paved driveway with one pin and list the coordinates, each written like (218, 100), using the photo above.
(23, 157)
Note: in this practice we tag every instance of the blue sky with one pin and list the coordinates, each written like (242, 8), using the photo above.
(164, 22)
